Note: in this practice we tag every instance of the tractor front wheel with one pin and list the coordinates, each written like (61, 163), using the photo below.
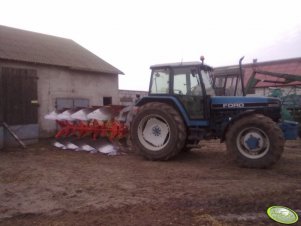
(255, 142)
(158, 131)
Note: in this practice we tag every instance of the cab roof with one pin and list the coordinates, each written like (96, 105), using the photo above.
(183, 64)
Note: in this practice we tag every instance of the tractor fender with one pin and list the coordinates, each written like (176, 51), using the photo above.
(172, 101)
(235, 119)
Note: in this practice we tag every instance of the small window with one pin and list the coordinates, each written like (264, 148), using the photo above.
(81, 102)
(107, 101)
(230, 86)
(219, 82)
(160, 81)
(61, 103)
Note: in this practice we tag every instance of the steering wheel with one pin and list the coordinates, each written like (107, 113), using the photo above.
(179, 91)
(196, 90)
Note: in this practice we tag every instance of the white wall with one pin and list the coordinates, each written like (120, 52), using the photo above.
(285, 90)
(55, 82)
(130, 96)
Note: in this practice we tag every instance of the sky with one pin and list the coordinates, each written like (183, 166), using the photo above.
(134, 34)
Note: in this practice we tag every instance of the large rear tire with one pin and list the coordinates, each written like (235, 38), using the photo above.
(158, 131)
(255, 142)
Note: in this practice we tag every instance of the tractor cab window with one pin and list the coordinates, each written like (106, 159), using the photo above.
(187, 87)
(186, 81)
(160, 81)
(208, 82)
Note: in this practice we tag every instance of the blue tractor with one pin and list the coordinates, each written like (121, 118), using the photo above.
(182, 109)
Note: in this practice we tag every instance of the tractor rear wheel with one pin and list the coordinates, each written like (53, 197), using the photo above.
(158, 131)
(255, 142)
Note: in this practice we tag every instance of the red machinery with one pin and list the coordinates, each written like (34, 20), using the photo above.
(110, 122)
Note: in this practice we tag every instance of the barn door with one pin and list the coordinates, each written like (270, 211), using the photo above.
(1, 100)
(1, 113)
(19, 96)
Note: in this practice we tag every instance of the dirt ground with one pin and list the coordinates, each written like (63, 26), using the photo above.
(43, 185)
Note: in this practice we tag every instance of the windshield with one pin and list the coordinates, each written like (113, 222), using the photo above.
(208, 82)
(160, 81)
(189, 80)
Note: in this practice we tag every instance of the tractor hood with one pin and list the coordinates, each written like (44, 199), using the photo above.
(219, 102)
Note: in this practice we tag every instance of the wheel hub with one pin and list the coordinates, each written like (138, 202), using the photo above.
(253, 141)
(155, 132)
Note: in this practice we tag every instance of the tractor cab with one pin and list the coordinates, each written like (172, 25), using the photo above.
(190, 83)
(187, 103)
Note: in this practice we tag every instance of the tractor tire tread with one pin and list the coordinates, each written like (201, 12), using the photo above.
(177, 120)
(271, 129)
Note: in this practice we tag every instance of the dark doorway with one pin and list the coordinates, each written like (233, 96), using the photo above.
(19, 96)
(107, 101)
(18, 105)
(1, 99)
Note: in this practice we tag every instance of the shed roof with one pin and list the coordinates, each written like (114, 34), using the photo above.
(32, 47)
(286, 66)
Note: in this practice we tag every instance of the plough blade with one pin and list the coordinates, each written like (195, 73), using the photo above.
(66, 115)
(82, 114)
(64, 143)
(93, 146)
(52, 115)
(101, 114)
(105, 125)
(59, 145)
